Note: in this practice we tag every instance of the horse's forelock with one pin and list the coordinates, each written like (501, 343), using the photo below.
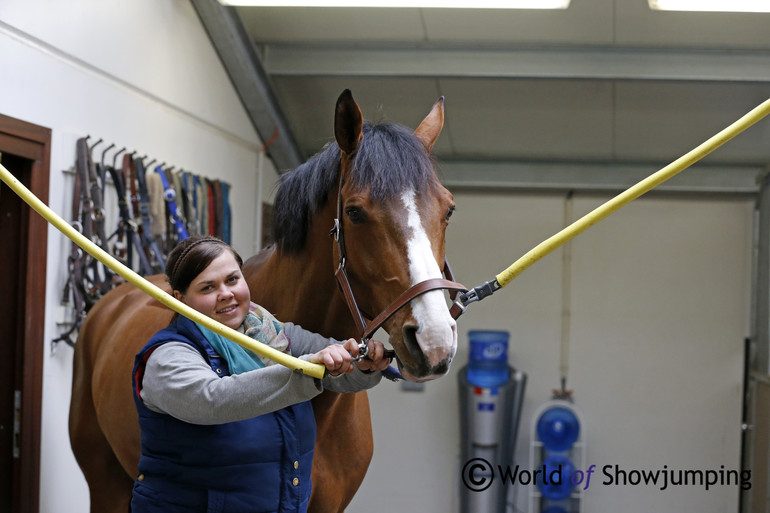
(389, 160)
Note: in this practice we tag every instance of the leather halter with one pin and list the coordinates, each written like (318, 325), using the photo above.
(367, 330)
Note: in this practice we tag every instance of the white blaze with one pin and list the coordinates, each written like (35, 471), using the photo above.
(436, 334)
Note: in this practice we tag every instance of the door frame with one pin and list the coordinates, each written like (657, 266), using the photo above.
(31, 142)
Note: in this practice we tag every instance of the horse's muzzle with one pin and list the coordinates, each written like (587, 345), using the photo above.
(419, 366)
(424, 374)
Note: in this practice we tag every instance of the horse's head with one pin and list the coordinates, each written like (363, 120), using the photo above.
(393, 213)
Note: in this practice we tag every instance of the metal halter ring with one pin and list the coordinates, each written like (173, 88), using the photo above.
(363, 350)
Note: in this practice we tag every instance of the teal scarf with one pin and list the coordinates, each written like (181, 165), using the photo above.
(260, 325)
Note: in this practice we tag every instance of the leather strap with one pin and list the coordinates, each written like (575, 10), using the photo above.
(149, 245)
(212, 224)
(126, 225)
(407, 296)
(128, 171)
(120, 248)
(350, 299)
(456, 310)
(169, 194)
(218, 202)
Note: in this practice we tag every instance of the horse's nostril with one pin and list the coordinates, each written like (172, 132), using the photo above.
(412, 345)
(410, 338)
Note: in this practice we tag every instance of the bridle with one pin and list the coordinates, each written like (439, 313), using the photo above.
(367, 330)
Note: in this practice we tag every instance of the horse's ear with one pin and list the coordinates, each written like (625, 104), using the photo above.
(431, 126)
(348, 122)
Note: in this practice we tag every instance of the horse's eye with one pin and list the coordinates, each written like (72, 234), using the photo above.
(356, 215)
(449, 213)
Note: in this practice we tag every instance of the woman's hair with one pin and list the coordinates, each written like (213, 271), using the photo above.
(191, 256)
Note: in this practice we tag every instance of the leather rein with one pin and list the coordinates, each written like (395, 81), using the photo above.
(368, 329)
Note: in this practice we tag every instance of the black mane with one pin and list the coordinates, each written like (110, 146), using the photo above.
(389, 160)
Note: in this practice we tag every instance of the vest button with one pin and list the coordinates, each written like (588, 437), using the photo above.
(296, 465)
(140, 478)
(295, 482)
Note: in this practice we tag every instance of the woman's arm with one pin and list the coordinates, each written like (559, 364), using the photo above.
(179, 382)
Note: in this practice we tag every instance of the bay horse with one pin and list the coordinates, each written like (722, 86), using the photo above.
(378, 183)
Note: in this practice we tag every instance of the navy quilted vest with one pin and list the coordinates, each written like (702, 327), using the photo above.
(251, 466)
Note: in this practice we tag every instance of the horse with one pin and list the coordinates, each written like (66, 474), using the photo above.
(377, 184)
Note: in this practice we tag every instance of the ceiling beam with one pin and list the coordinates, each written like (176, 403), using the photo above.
(596, 177)
(243, 65)
(610, 63)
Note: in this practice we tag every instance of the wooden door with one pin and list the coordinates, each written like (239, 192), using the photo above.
(24, 150)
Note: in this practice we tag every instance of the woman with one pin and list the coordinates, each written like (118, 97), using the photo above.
(223, 429)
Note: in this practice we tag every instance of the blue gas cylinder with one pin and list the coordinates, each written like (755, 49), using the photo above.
(488, 358)
(558, 428)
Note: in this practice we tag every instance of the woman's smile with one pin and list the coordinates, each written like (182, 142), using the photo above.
(220, 292)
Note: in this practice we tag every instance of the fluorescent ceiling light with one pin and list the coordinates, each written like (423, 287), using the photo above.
(465, 4)
(711, 5)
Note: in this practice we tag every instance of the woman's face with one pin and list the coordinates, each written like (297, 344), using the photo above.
(219, 292)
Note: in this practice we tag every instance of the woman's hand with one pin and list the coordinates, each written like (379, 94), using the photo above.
(337, 358)
(375, 357)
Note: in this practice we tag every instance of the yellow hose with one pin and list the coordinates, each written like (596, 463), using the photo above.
(312, 369)
(652, 181)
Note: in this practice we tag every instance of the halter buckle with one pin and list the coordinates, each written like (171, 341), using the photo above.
(335, 231)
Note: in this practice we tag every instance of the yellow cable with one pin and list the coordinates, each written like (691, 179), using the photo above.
(631, 194)
(312, 369)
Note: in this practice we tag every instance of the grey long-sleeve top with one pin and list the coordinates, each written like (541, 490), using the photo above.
(179, 382)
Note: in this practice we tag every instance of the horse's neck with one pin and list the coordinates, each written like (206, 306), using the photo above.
(301, 287)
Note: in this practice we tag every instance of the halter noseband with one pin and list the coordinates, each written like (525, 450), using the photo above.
(367, 330)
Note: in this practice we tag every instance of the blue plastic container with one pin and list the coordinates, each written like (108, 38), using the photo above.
(488, 358)
(554, 509)
(563, 488)
(558, 428)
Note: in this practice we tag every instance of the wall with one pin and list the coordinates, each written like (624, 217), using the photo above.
(660, 307)
(141, 74)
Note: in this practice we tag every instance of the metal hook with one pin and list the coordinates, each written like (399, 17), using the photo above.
(97, 143)
(115, 157)
(108, 148)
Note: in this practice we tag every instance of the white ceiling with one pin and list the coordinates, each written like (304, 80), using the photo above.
(606, 84)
